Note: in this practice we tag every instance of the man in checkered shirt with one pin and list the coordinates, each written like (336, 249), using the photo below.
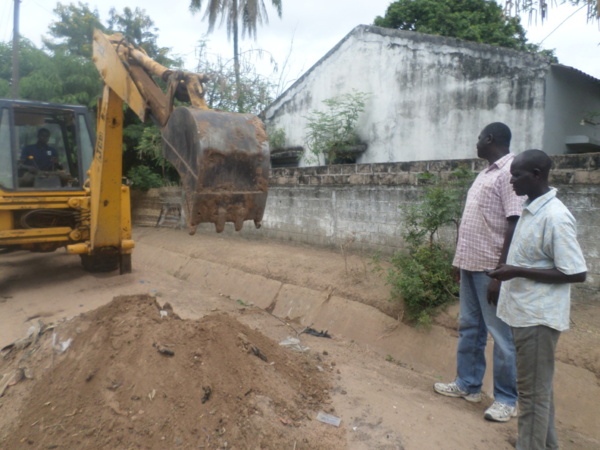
(488, 222)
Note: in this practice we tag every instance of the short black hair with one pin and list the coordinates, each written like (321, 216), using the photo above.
(534, 159)
(43, 130)
(500, 133)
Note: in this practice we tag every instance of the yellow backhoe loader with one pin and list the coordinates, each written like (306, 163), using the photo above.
(58, 189)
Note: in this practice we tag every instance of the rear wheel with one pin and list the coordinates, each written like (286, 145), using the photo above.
(100, 263)
(125, 264)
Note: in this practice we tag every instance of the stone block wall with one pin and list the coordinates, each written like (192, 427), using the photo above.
(358, 206)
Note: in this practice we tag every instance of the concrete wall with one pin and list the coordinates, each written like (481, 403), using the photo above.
(357, 206)
(570, 97)
(429, 95)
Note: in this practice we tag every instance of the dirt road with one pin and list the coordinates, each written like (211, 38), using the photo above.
(381, 371)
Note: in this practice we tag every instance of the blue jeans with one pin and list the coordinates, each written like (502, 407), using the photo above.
(477, 317)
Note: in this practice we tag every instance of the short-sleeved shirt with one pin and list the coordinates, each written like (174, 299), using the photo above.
(490, 201)
(41, 158)
(545, 238)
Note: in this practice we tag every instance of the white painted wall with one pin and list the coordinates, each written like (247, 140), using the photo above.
(570, 96)
(430, 96)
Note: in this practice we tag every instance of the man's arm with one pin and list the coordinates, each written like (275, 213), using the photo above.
(554, 276)
(25, 152)
(494, 287)
(510, 230)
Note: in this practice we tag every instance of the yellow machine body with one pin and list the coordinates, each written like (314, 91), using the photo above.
(79, 201)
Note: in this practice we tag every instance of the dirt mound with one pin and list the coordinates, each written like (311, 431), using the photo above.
(137, 376)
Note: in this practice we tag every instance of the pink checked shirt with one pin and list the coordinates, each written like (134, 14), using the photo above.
(490, 201)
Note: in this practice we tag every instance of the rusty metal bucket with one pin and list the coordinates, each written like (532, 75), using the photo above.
(223, 161)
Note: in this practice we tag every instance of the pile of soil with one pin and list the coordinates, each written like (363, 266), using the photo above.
(137, 376)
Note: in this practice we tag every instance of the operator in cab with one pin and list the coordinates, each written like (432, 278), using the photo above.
(36, 158)
(40, 155)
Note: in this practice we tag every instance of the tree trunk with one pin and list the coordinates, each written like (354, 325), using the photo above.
(236, 60)
(15, 53)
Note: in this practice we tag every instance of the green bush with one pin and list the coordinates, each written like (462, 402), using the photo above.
(277, 139)
(423, 279)
(143, 178)
(421, 275)
(331, 132)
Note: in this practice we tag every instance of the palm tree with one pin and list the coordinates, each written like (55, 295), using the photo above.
(516, 7)
(250, 12)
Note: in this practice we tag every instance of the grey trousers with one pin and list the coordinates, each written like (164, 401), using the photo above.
(535, 370)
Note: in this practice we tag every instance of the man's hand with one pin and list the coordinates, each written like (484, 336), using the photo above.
(28, 168)
(493, 292)
(456, 274)
(55, 164)
(504, 272)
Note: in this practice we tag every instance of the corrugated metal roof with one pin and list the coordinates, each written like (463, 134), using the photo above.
(576, 72)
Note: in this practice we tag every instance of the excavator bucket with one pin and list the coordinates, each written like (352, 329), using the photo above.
(223, 161)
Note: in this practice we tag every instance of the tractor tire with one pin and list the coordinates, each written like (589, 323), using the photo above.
(125, 264)
(100, 263)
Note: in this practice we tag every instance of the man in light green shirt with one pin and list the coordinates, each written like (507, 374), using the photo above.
(543, 259)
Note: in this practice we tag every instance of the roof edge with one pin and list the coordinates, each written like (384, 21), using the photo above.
(411, 35)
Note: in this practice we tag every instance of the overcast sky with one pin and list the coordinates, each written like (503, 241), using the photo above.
(309, 27)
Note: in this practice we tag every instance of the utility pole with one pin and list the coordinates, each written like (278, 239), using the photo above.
(15, 52)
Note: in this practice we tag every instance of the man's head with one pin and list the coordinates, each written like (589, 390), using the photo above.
(43, 135)
(494, 140)
(529, 172)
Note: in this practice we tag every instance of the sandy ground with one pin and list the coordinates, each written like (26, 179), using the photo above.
(382, 370)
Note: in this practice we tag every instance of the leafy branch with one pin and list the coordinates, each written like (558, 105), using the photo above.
(331, 132)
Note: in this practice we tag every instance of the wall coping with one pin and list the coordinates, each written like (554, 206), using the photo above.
(580, 168)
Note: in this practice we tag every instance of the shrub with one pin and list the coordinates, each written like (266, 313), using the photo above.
(330, 133)
(422, 274)
(423, 279)
(143, 178)
(277, 139)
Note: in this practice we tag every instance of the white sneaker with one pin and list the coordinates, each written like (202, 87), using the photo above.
(452, 390)
(500, 412)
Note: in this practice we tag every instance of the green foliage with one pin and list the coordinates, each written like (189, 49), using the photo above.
(276, 138)
(150, 148)
(329, 133)
(142, 145)
(69, 75)
(247, 13)
(139, 30)
(150, 144)
(441, 205)
(5, 89)
(72, 31)
(422, 274)
(480, 21)
(61, 78)
(422, 278)
(143, 178)
(63, 72)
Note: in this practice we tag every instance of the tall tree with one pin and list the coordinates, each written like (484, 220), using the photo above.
(249, 13)
(472, 20)
(70, 42)
(139, 29)
(72, 32)
(61, 78)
